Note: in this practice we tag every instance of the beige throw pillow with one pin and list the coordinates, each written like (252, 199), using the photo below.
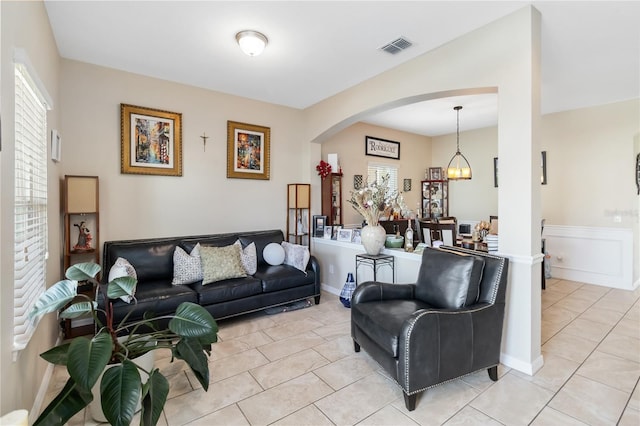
(221, 263)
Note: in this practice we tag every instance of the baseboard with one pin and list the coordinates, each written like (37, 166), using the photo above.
(524, 367)
(600, 256)
(329, 289)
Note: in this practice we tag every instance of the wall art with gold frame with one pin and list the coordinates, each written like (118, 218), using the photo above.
(151, 141)
(248, 147)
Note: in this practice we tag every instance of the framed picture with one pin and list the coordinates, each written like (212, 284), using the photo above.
(435, 173)
(345, 234)
(328, 232)
(356, 236)
(56, 146)
(248, 151)
(381, 147)
(319, 223)
(335, 230)
(151, 141)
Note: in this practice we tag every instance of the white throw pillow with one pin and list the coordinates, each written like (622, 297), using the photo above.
(296, 255)
(187, 268)
(248, 257)
(273, 254)
(122, 268)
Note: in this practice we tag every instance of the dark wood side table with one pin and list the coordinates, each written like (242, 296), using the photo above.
(376, 261)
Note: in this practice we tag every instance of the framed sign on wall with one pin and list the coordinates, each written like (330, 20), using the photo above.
(381, 148)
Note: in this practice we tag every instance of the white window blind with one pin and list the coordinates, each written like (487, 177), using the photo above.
(377, 170)
(30, 200)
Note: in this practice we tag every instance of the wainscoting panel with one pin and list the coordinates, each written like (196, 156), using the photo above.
(601, 256)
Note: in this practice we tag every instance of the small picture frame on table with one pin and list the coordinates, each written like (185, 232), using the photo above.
(345, 234)
(335, 229)
(356, 236)
(319, 223)
(327, 232)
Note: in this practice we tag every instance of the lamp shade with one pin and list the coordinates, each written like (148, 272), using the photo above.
(252, 43)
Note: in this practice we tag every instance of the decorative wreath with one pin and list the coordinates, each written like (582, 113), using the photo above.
(324, 169)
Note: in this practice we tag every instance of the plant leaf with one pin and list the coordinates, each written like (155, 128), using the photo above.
(88, 358)
(57, 355)
(121, 286)
(82, 271)
(120, 392)
(78, 309)
(154, 396)
(190, 350)
(56, 297)
(192, 320)
(70, 401)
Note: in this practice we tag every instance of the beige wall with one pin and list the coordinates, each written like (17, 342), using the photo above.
(25, 25)
(590, 165)
(415, 156)
(203, 200)
(474, 199)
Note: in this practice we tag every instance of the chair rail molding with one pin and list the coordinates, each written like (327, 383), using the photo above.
(593, 255)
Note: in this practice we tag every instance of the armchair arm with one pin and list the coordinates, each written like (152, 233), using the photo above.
(437, 345)
(377, 291)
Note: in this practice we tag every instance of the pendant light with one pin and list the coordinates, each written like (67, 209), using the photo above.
(458, 168)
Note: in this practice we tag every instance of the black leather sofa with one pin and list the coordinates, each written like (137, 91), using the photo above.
(153, 261)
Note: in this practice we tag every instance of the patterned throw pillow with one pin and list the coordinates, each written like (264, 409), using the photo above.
(187, 268)
(221, 263)
(296, 255)
(248, 257)
(122, 268)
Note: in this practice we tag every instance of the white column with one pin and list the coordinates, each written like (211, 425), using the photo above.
(519, 202)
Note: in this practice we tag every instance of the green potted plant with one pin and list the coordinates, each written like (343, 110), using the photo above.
(112, 350)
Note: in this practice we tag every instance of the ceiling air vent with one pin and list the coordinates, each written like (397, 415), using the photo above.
(396, 46)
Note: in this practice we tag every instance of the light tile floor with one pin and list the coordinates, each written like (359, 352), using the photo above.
(299, 368)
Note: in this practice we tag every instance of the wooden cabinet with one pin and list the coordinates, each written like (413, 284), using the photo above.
(298, 209)
(332, 198)
(435, 198)
(81, 237)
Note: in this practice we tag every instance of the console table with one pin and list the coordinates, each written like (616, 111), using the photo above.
(376, 261)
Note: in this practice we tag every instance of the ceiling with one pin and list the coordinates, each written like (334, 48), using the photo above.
(590, 50)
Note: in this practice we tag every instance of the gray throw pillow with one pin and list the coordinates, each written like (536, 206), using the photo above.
(449, 280)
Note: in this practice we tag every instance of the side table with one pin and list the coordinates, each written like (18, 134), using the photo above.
(376, 261)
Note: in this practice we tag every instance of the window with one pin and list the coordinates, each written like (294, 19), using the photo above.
(377, 170)
(30, 198)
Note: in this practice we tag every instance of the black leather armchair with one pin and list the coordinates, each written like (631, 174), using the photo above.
(446, 325)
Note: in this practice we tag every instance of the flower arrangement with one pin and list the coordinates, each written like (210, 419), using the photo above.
(374, 200)
(324, 169)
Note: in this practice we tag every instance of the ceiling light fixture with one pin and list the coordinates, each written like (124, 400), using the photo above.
(458, 168)
(251, 42)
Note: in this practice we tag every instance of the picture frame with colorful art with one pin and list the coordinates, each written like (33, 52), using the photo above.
(150, 141)
(248, 151)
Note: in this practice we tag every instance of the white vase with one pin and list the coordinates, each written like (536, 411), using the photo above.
(145, 361)
(373, 238)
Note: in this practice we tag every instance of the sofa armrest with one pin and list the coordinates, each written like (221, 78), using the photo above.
(313, 267)
(377, 291)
